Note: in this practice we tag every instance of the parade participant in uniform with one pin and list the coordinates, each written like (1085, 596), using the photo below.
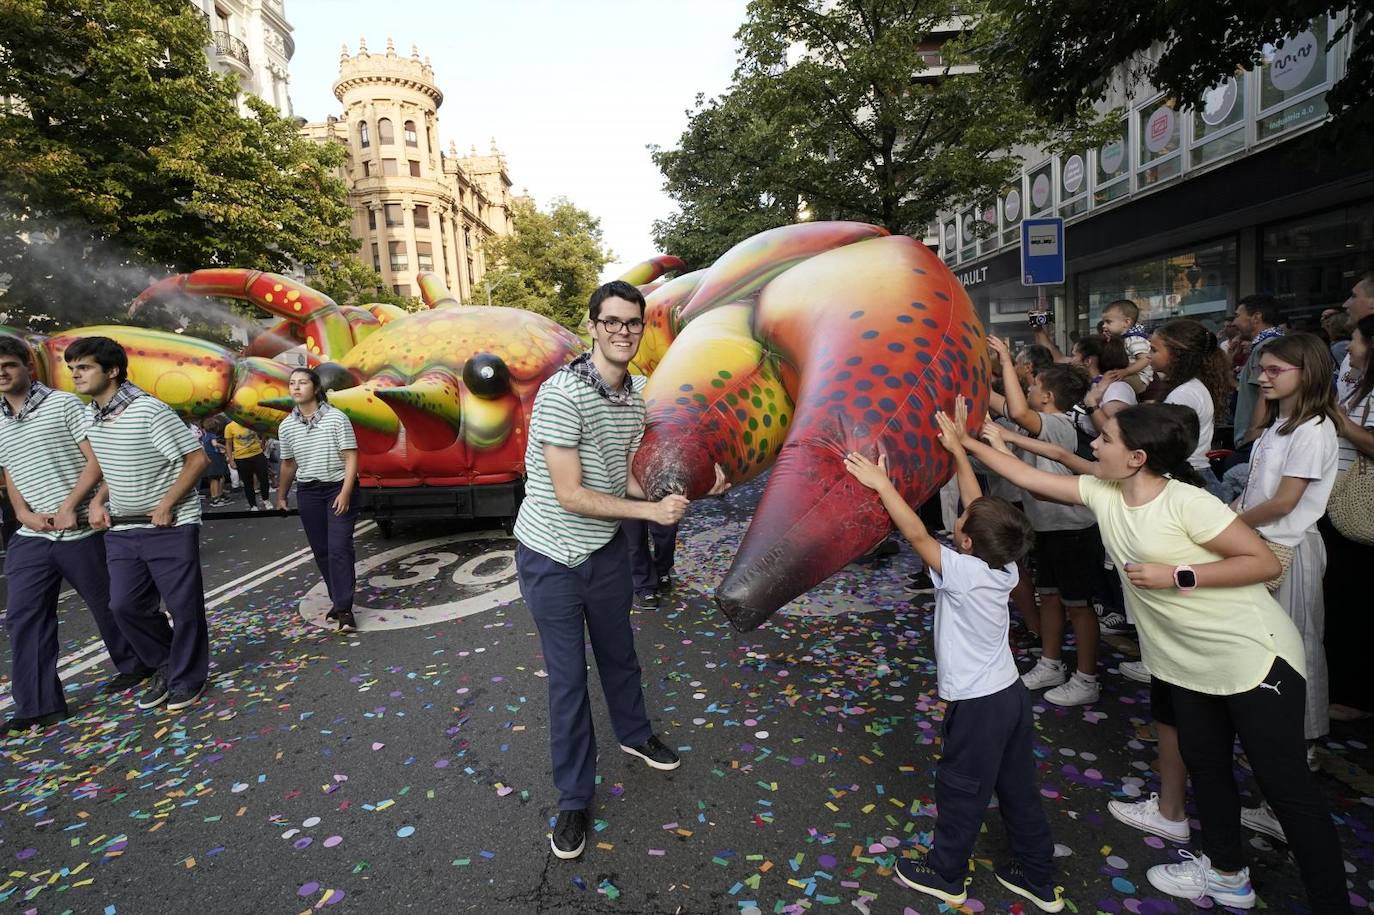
(151, 462)
(245, 453)
(572, 559)
(50, 472)
(318, 445)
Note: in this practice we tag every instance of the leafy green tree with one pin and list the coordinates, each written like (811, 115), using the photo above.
(1067, 50)
(124, 158)
(851, 109)
(550, 265)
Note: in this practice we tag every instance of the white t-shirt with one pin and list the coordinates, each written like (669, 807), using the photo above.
(1195, 394)
(1309, 453)
(1116, 391)
(1361, 414)
(972, 657)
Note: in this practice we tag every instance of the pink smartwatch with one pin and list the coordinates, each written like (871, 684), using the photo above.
(1185, 579)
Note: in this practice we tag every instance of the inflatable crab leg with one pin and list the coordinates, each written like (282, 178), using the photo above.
(661, 320)
(717, 398)
(433, 291)
(653, 268)
(750, 265)
(843, 336)
(277, 339)
(323, 327)
(429, 409)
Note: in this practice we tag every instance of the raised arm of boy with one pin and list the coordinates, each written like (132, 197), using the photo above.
(951, 430)
(1017, 408)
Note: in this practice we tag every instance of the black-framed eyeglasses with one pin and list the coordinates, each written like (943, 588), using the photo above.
(615, 325)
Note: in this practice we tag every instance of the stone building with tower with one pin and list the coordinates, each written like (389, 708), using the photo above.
(416, 207)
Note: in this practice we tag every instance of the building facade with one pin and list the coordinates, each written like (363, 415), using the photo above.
(416, 208)
(1184, 212)
(251, 39)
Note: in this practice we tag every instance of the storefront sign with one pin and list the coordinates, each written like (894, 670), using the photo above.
(1040, 191)
(1011, 206)
(1073, 174)
(1292, 63)
(973, 277)
(1218, 102)
(1159, 129)
(1111, 156)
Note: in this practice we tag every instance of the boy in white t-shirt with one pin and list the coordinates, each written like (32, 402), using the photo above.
(986, 739)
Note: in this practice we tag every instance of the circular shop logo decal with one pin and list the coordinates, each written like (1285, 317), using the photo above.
(1040, 191)
(969, 234)
(1159, 129)
(1292, 63)
(432, 581)
(951, 238)
(1111, 156)
(1073, 174)
(1011, 206)
(1218, 102)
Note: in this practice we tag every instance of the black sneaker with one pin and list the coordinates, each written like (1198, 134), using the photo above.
(920, 876)
(665, 582)
(124, 682)
(346, 621)
(647, 600)
(1047, 897)
(569, 834)
(654, 752)
(920, 583)
(333, 613)
(182, 697)
(1113, 622)
(14, 725)
(156, 693)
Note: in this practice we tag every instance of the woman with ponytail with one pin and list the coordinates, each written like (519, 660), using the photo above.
(1196, 375)
(1230, 658)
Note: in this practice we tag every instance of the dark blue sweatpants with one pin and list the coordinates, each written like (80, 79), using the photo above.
(154, 565)
(596, 595)
(331, 538)
(34, 569)
(987, 748)
(651, 552)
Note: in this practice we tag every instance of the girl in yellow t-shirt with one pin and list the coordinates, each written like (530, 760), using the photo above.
(1192, 574)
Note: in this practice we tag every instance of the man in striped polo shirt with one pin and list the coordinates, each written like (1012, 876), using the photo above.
(151, 463)
(50, 474)
(572, 558)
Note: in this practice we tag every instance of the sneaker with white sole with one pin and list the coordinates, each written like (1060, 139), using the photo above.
(1077, 690)
(1261, 819)
(1194, 877)
(569, 834)
(1045, 673)
(1113, 622)
(656, 753)
(1134, 670)
(1047, 897)
(1145, 816)
(1312, 764)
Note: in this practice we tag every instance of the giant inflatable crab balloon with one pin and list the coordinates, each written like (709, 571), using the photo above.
(796, 347)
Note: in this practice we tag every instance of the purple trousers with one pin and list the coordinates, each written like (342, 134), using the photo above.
(34, 568)
(154, 565)
(330, 537)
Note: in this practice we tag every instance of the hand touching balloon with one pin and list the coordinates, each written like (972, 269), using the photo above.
(872, 475)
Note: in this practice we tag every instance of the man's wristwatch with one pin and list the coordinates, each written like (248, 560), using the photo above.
(1185, 579)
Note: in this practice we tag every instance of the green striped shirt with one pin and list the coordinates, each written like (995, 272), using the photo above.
(569, 413)
(141, 452)
(317, 447)
(43, 455)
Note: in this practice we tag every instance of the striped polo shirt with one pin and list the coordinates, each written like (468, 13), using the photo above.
(42, 452)
(569, 413)
(317, 447)
(141, 452)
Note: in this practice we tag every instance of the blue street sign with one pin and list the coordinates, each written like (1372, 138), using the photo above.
(1042, 252)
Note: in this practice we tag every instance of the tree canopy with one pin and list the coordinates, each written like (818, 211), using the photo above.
(550, 265)
(852, 109)
(1067, 50)
(124, 158)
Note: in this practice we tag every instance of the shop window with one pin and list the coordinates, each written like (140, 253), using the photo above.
(1311, 262)
(1112, 167)
(396, 250)
(424, 255)
(386, 134)
(1158, 127)
(389, 168)
(988, 239)
(1073, 184)
(414, 168)
(394, 216)
(364, 138)
(1012, 203)
(420, 216)
(412, 138)
(1041, 181)
(950, 239)
(376, 256)
(1292, 81)
(1198, 282)
(1219, 121)
(968, 235)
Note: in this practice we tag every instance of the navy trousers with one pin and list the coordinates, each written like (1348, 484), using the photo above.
(651, 552)
(34, 568)
(330, 537)
(596, 595)
(153, 565)
(987, 748)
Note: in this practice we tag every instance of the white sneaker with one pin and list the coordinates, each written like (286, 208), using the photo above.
(1262, 819)
(1077, 690)
(1145, 816)
(1194, 877)
(1044, 673)
(1134, 670)
(1312, 764)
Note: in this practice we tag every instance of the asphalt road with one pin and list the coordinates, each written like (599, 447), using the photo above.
(405, 767)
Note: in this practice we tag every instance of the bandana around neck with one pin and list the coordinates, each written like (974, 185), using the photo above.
(584, 368)
(38, 392)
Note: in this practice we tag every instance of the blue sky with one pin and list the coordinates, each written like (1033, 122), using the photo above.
(572, 90)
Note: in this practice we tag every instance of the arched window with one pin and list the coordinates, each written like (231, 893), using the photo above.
(364, 138)
(412, 138)
(385, 135)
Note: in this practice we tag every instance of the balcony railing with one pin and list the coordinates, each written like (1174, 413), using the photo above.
(227, 45)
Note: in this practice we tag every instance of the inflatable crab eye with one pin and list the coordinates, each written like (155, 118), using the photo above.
(486, 376)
